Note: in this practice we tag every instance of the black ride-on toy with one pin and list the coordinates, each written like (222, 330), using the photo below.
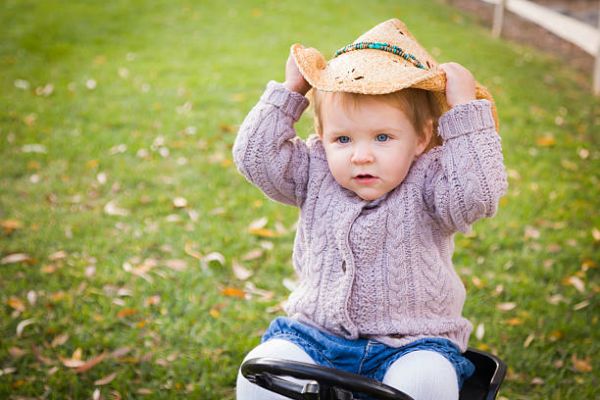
(332, 384)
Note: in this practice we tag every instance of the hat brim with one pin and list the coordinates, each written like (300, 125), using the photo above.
(353, 72)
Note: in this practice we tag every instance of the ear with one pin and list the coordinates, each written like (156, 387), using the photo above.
(424, 138)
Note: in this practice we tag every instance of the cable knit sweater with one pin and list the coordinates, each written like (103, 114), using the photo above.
(380, 269)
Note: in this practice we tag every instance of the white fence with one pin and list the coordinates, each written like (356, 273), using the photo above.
(574, 31)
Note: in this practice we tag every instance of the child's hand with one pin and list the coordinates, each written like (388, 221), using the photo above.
(460, 84)
(294, 80)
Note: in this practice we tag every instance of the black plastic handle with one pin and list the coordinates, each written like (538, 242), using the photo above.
(333, 383)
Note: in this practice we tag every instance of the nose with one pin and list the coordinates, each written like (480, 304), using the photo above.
(362, 154)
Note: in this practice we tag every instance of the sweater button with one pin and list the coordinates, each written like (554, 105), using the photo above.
(344, 266)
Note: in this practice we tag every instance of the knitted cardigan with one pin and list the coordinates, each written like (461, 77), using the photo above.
(380, 269)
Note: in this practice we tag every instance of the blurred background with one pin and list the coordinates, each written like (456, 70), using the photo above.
(135, 262)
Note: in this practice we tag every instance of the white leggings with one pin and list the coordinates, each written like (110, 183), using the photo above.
(424, 375)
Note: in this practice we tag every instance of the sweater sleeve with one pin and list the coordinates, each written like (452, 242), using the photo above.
(469, 177)
(268, 152)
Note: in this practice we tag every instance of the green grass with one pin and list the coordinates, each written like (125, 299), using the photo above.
(180, 76)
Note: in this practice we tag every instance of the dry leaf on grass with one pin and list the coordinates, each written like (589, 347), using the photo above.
(176, 265)
(120, 352)
(581, 365)
(252, 255)
(240, 272)
(106, 380)
(111, 208)
(10, 225)
(16, 352)
(506, 306)
(59, 340)
(576, 282)
(480, 331)
(16, 303)
(233, 292)
(23, 324)
(16, 258)
(127, 312)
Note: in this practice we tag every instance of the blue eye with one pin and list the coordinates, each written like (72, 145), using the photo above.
(382, 137)
(343, 139)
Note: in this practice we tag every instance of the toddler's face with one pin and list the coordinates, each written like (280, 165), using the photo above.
(369, 147)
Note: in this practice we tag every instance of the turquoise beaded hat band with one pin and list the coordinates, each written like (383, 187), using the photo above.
(383, 47)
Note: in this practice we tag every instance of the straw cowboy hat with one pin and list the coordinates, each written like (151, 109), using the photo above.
(385, 59)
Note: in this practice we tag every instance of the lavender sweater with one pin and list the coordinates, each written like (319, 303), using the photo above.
(380, 269)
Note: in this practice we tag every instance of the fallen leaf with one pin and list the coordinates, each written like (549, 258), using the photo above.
(127, 312)
(21, 84)
(252, 255)
(240, 272)
(77, 354)
(258, 223)
(568, 165)
(581, 306)
(581, 365)
(120, 352)
(190, 251)
(266, 233)
(179, 202)
(576, 282)
(16, 258)
(34, 148)
(264, 295)
(91, 363)
(214, 256)
(48, 268)
(59, 255)
(60, 340)
(480, 331)
(506, 306)
(531, 233)
(6, 371)
(111, 208)
(176, 265)
(32, 297)
(556, 335)
(16, 303)
(514, 321)
(23, 324)
(555, 299)
(71, 363)
(10, 225)
(40, 357)
(106, 380)
(596, 234)
(546, 141)
(152, 301)
(233, 292)
(16, 352)
(528, 340)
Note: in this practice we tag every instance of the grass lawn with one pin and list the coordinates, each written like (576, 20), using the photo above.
(137, 263)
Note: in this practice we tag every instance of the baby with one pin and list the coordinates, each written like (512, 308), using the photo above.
(381, 188)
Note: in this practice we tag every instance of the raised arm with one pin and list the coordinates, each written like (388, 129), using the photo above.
(468, 177)
(268, 152)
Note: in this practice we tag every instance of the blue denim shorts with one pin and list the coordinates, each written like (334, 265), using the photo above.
(366, 357)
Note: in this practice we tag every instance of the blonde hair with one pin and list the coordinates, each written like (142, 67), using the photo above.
(418, 105)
